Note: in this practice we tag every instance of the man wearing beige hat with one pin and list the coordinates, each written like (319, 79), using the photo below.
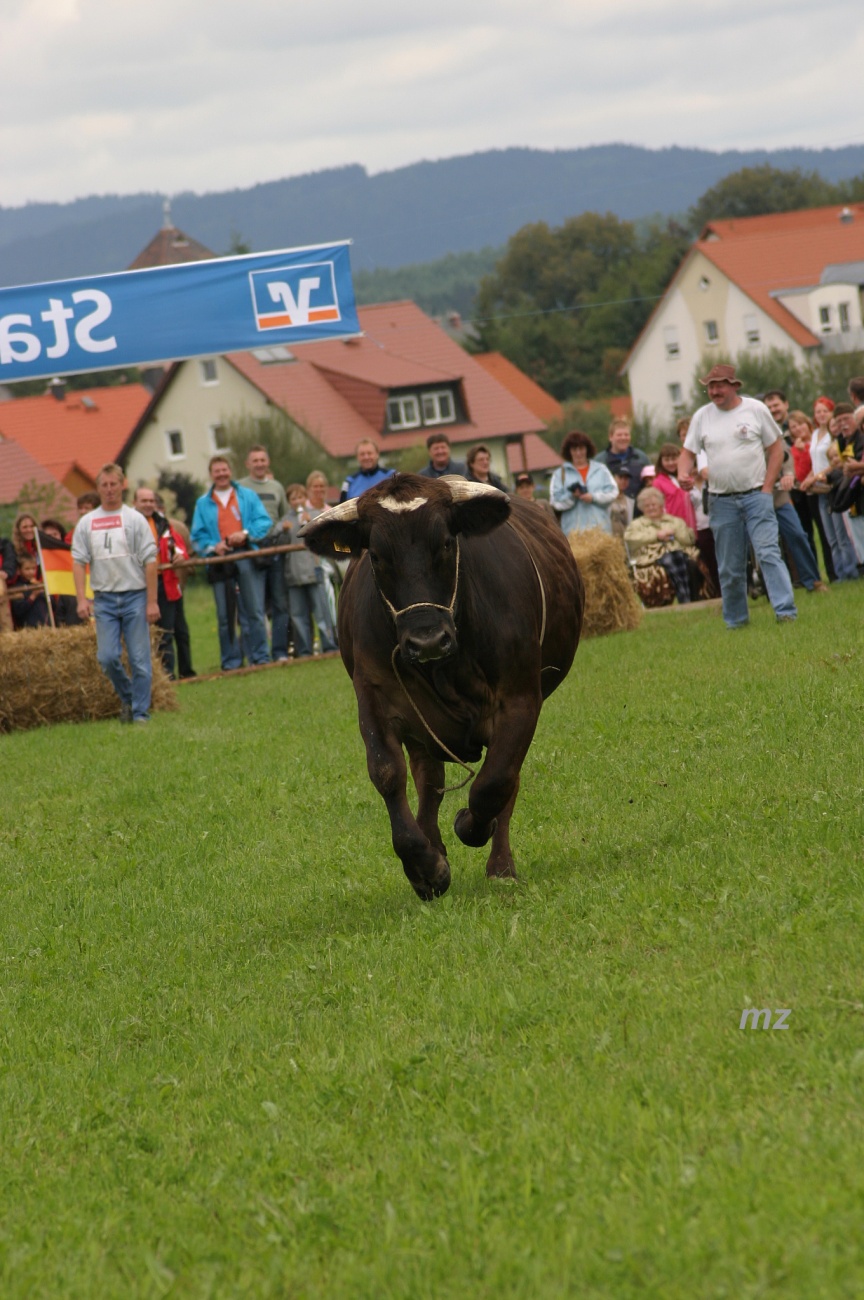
(744, 448)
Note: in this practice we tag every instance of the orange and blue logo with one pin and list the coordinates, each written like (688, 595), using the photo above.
(286, 297)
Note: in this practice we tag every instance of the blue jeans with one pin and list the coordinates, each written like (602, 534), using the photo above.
(305, 603)
(792, 532)
(274, 587)
(124, 614)
(735, 520)
(842, 550)
(250, 610)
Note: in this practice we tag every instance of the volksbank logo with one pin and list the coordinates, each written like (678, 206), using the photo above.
(288, 296)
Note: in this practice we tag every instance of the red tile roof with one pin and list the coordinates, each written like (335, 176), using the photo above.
(780, 250)
(337, 389)
(784, 250)
(168, 247)
(18, 468)
(89, 427)
(538, 454)
(531, 395)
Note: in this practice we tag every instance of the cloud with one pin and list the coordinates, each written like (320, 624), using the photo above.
(97, 96)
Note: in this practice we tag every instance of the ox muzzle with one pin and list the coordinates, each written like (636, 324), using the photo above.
(425, 635)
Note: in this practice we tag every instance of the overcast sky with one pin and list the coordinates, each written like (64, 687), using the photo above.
(118, 96)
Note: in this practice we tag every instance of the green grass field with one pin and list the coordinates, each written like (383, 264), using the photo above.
(239, 1058)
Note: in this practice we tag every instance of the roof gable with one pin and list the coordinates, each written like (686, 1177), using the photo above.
(336, 390)
(88, 426)
(18, 469)
(779, 250)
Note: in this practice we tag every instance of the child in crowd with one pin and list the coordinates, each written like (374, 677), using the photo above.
(621, 509)
(31, 608)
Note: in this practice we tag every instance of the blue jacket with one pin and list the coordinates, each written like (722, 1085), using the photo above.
(205, 521)
(575, 514)
(363, 479)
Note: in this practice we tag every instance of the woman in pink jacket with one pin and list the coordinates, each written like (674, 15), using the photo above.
(666, 481)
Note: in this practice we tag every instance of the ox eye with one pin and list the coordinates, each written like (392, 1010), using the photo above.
(373, 556)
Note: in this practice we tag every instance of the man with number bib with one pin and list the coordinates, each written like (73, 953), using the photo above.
(117, 543)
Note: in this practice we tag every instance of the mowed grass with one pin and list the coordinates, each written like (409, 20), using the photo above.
(239, 1058)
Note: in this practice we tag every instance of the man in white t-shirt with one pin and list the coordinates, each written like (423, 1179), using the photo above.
(117, 544)
(744, 450)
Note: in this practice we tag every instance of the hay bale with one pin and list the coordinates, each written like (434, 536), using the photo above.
(611, 604)
(51, 675)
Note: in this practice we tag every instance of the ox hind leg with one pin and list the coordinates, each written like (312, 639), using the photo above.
(493, 792)
(424, 863)
(500, 861)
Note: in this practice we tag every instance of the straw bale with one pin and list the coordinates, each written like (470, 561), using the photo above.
(611, 604)
(51, 675)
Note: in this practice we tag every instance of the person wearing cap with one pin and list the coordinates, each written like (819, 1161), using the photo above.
(524, 488)
(744, 448)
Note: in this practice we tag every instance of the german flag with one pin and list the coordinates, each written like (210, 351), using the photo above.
(55, 560)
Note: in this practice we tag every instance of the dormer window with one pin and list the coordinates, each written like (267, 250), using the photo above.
(438, 407)
(411, 410)
(403, 413)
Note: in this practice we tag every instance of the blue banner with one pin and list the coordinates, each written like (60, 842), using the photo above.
(229, 304)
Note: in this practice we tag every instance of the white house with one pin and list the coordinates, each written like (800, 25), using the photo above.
(789, 280)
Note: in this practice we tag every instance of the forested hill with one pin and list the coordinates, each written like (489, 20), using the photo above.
(411, 215)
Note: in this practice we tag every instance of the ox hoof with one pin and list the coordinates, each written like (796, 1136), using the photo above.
(501, 869)
(432, 886)
(470, 832)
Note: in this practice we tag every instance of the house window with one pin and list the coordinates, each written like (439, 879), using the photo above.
(676, 397)
(218, 438)
(403, 413)
(174, 439)
(751, 329)
(711, 334)
(825, 320)
(704, 283)
(208, 371)
(843, 313)
(670, 335)
(438, 407)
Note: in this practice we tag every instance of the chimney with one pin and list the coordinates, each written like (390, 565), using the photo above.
(57, 389)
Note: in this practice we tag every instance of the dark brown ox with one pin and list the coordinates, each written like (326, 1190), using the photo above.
(460, 613)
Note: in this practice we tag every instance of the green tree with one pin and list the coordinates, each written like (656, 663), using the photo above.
(185, 491)
(565, 303)
(43, 500)
(293, 454)
(753, 191)
(827, 374)
(91, 379)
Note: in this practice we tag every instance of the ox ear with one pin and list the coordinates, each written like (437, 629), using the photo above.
(337, 534)
(477, 507)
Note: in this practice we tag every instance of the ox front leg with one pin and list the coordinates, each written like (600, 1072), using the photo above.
(424, 864)
(493, 792)
(429, 779)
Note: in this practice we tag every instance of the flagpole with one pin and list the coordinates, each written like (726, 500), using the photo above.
(44, 583)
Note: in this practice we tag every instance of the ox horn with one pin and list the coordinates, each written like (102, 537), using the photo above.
(462, 490)
(345, 513)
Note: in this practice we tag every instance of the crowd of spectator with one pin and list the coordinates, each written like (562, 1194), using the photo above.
(669, 512)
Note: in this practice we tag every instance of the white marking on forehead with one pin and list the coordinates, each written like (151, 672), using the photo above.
(399, 507)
